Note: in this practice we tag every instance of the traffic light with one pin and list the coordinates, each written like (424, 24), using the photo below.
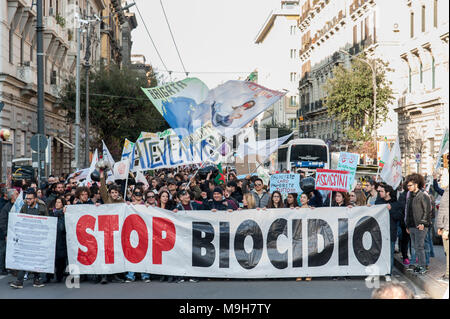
(5, 134)
(445, 160)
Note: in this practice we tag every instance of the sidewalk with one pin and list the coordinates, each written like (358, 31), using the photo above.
(429, 281)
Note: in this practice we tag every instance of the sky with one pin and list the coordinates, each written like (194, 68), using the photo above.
(211, 36)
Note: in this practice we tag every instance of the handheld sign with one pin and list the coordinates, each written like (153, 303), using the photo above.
(348, 162)
(285, 183)
(332, 180)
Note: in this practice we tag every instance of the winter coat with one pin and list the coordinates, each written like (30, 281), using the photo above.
(61, 245)
(193, 204)
(262, 201)
(220, 205)
(4, 215)
(41, 209)
(418, 209)
(316, 200)
(442, 217)
(395, 215)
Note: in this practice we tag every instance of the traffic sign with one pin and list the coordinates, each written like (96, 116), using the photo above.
(38, 142)
(418, 158)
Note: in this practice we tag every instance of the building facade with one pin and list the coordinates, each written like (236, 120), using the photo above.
(332, 31)
(423, 108)
(18, 75)
(278, 46)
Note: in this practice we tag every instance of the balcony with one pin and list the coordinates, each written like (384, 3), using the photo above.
(25, 74)
(358, 7)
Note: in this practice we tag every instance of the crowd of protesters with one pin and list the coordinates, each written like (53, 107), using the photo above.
(411, 206)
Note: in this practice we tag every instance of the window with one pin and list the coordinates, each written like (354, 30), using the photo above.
(293, 53)
(435, 14)
(23, 143)
(433, 73)
(421, 72)
(423, 18)
(11, 46)
(293, 101)
(293, 27)
(412, 25)
(366, 28)
(355, 34)
(409, 79)
(293, 76)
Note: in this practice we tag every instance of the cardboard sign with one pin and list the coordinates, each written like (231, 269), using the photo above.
(285, 183)
(332, 180)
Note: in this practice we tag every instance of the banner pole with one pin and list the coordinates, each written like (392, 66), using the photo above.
(378, 172)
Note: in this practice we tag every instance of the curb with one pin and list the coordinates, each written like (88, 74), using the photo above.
(429, 284)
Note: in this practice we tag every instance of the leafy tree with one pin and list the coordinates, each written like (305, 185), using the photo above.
(118, 108)
(350, 97)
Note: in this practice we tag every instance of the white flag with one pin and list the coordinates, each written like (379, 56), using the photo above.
(261, 148)
(140, 178)
(92, 167)
(121, 169)
(17, 204)
(392, 169)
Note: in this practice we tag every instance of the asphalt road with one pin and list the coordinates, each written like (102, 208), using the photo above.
(318, 288)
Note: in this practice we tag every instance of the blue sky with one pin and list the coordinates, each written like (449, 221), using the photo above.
(211, 35)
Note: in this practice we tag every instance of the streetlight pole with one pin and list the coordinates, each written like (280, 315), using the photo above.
(40, 82)
(374, 84)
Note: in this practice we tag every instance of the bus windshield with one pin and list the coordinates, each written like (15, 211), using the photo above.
(316, 153)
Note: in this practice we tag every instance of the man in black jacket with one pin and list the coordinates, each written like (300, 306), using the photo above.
(11, 195)
(418, 217)
(386, 195)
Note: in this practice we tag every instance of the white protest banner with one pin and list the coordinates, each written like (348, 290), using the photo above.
(332, 180)
(31, 243)
(127, 149)
(285, 183)
(340, 241)
(164, 150)
(108, 157)
(348, 162)
(15, 209)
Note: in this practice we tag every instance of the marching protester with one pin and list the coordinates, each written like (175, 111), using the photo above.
(291, 200)
(248, 201)
(82, 196)
(357, 198)
(261, 196)
(151, 198)
(10, 198)
(339, 199)
(276, 200)
(58, 209)
(418, 218)
(371, 192)
(32, 206)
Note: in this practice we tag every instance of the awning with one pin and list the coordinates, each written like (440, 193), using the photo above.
(64, 142)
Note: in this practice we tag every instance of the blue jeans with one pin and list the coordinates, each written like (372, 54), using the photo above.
(418, 243)
(131, 275)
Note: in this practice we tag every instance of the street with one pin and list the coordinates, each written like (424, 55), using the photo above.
(318, 288)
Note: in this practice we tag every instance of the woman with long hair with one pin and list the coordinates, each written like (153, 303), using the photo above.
(357, 198)
(276, 201)
(164, 201)
(291, 200)
(249, 201)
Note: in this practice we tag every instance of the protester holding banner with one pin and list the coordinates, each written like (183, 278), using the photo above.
(31, 207)
(111, 195)
(304, 200)
(11, 195)
(248, 201)
(261, 196)
(357, 198)
(58, 209)
(164, 201)
(339, 199)
(276, 201)
(387, 195)
(151, 198)
(291, 200)
(82, 196)
(371, 190)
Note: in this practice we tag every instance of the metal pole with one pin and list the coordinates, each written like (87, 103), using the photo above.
(87, 66)
(77, 107)
(87, 118)
(40, 80)
(374, 83)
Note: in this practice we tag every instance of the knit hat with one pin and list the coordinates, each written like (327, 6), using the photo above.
(218, 190)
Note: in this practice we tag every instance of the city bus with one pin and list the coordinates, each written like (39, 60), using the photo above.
(307, 154)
